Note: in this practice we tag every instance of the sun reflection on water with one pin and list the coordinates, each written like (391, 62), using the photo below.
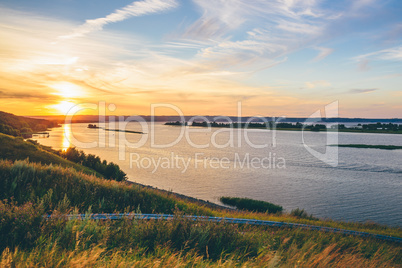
(66, 137)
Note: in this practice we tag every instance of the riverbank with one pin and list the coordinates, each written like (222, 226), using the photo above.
(295, 174)
(184, 197)
(31, 190)
(28, 237)
(368, 146)
(38, 154)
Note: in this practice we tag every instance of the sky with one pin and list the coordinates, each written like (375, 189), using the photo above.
(205, 57)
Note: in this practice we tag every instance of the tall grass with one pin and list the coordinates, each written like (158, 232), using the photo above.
(15, 148)
(29, 190)
(182, 243)
(19, 225)
(28, 182)
(67, 188)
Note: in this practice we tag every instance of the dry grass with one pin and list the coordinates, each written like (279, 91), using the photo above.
(29, 241)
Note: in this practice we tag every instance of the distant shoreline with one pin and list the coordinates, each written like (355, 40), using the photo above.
(168, 118)
(291, 127)
(182, 196)
(368, 146)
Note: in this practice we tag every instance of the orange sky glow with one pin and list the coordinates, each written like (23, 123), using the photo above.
(50, 64)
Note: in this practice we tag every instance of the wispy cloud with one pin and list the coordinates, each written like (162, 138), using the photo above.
(394, 53)
(220, 17)
(135, 9)
(323, 53)
(299, 27)
(217, 54)
(283, 27)
(8, 94)
(360, 91)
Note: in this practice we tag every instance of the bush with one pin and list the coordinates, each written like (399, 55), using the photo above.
(302, 214)
(110, 171)
(19, 225)
(251, 204)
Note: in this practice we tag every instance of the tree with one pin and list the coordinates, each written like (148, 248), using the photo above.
(26, 130)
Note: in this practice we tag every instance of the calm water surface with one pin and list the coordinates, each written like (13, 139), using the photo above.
(366, 185)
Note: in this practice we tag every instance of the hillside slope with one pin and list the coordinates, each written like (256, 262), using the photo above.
(19, 122)
(15, 148)
(30, 190)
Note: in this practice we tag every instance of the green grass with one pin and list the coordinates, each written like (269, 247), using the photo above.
(29, 190)
(29, 241)
(19, 122)
(383, 147)
(27, 182)
(15, 148)
(250, 204)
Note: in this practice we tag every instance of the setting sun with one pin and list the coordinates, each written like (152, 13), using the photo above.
(64, 107)
(67, 90)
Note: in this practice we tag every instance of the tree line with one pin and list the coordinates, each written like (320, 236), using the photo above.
(110, 171)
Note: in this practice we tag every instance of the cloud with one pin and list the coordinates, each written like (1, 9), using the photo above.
(205, 28)
(391, 54)
(363, 65)
(7, 94)
(319, 83)
(219, 17)
(101, 67)
(360, 91)
(299, 27)
(241, 34)
(135, 9)
(215, 55)
(283, 27)
(323, 53)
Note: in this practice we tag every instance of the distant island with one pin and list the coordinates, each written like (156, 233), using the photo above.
(117, 130)
(177, 123)
(92, 126)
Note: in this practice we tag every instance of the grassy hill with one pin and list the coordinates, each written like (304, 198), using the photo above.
(30, 190)
(19, 122)
(15, 148)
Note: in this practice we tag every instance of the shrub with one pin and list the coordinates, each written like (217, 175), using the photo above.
(110, 171)
(19, 225)
(302, 214)
(251, 204)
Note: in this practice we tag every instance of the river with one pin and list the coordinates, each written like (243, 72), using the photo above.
(356, 185)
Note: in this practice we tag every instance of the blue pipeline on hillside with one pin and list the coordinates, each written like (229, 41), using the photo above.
(118, 216)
